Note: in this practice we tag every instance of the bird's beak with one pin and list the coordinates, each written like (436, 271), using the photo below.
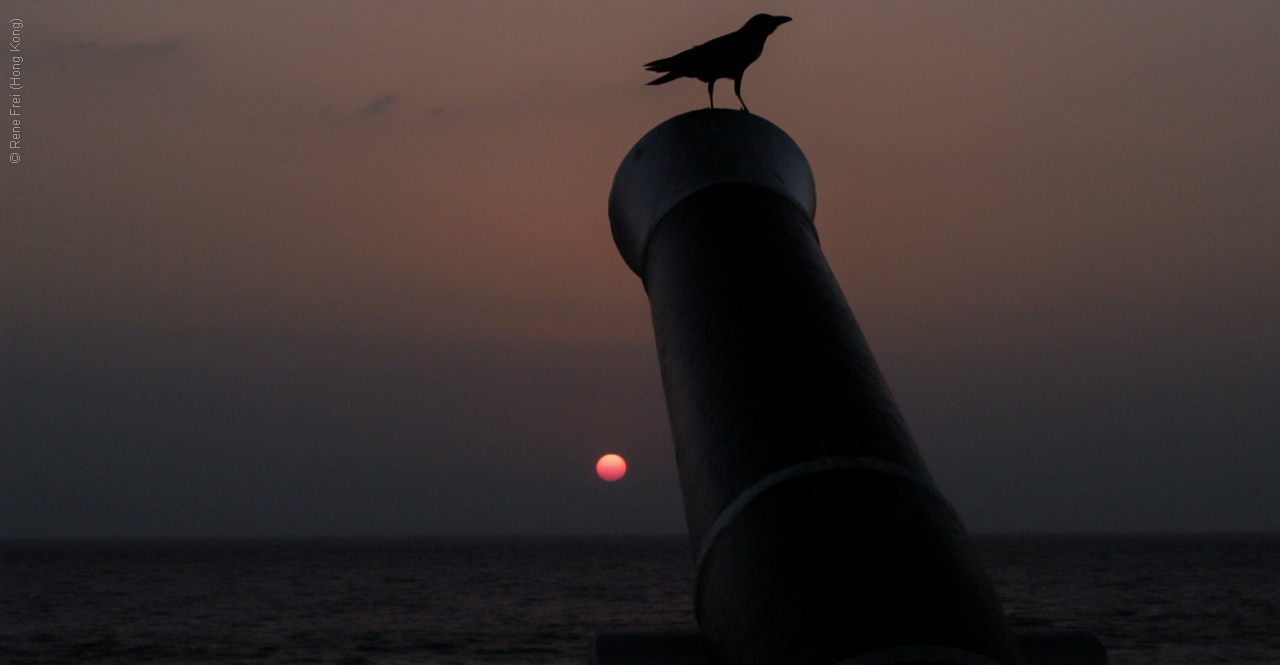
(779, 20)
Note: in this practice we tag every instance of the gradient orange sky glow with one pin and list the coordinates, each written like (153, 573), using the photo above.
(337, 267)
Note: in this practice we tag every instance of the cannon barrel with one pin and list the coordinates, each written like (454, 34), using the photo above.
(819, 535)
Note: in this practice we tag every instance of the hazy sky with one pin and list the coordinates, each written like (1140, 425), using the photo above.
(308, 268)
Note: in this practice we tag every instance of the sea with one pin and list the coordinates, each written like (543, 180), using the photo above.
(1149, 598)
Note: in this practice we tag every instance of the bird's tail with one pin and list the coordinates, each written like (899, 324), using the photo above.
(663, 79)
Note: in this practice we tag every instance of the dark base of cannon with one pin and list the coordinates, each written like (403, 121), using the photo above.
(1065, 647)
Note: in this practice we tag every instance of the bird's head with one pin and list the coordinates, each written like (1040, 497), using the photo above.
(764, 23)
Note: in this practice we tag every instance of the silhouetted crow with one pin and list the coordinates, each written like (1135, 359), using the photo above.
(721, 58)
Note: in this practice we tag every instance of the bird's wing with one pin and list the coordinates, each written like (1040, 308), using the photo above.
(668, 64)
(697, 57)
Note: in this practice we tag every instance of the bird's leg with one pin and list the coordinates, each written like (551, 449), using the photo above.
(737, 90)
(711, 92)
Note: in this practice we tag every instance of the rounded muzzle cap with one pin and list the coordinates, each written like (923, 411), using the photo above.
(692, 152)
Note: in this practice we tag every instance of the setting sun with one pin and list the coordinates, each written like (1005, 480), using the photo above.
(611, 467)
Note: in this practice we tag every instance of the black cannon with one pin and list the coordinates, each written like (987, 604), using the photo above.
(820, 537)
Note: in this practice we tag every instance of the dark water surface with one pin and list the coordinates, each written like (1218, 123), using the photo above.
(1151, 599)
